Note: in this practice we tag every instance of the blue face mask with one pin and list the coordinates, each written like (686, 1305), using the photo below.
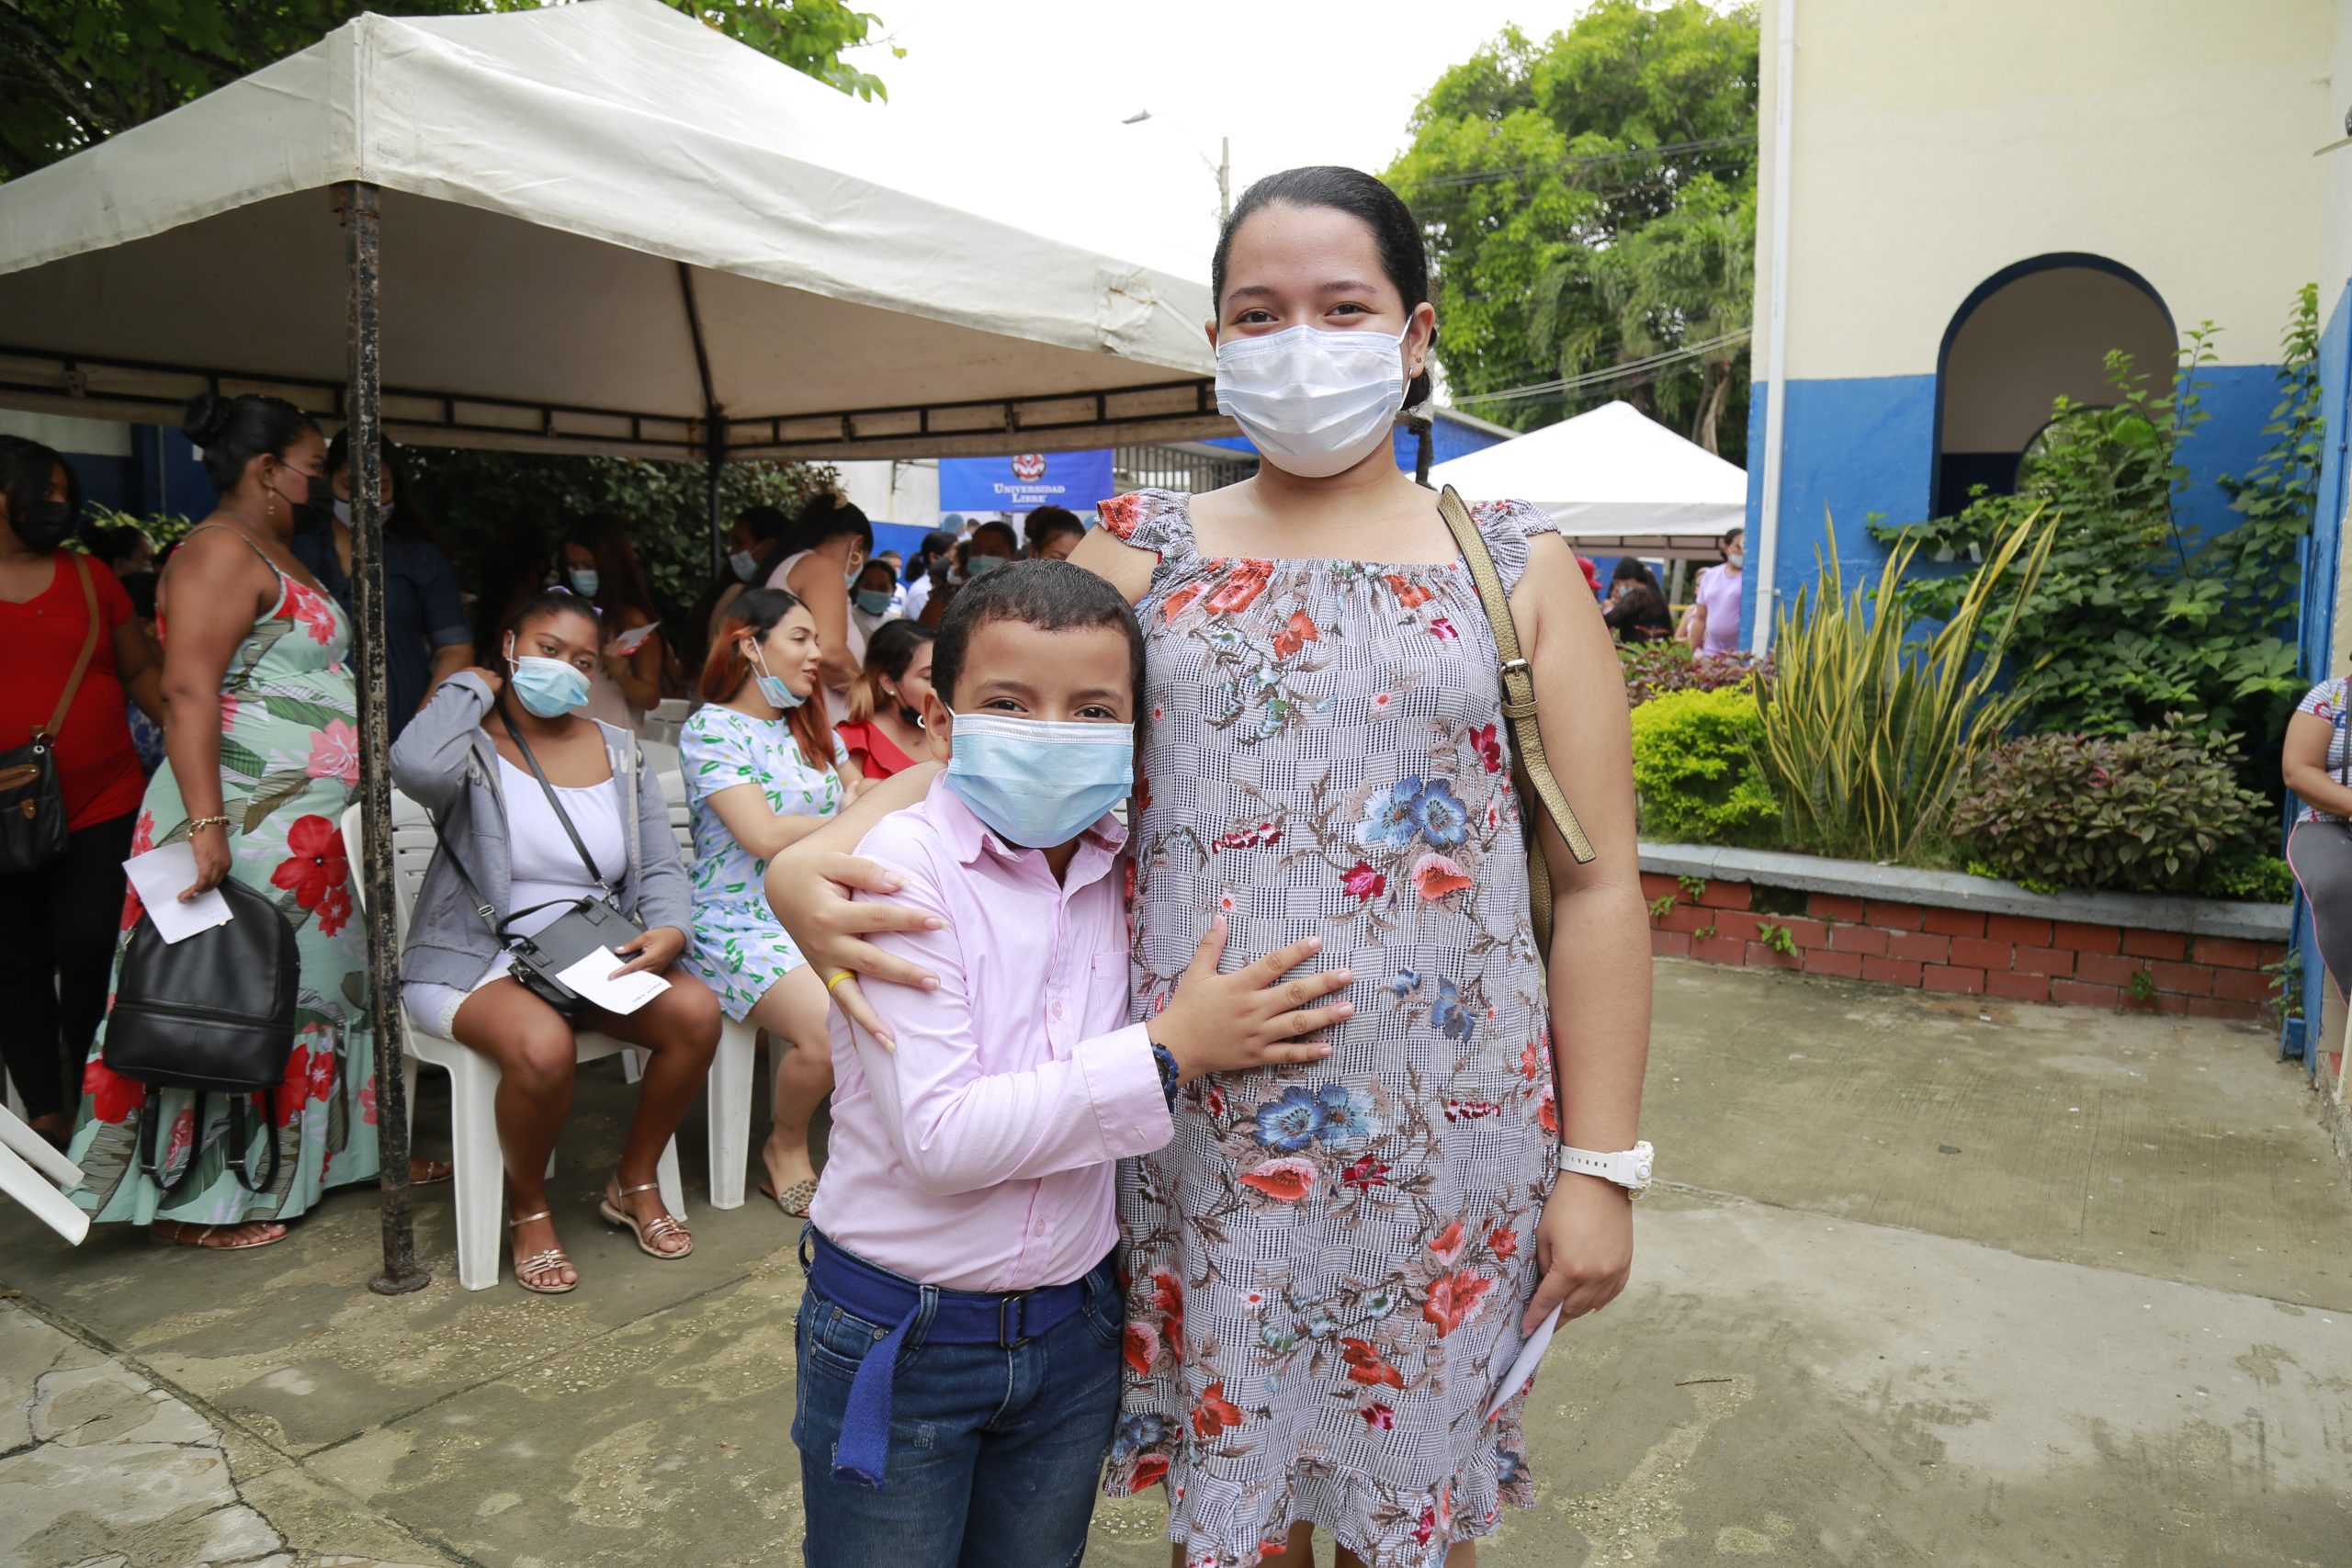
(584, 584)
(980, 566)
(1038, 783)
(547, 686)
(872, 602)
(772, 687)
(744, 563)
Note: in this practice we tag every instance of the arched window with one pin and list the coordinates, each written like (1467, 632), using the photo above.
(2026, 335)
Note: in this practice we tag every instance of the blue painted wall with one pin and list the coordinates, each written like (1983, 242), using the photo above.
(1867, 445)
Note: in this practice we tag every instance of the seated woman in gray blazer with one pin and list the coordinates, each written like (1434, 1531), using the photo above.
(502, 844)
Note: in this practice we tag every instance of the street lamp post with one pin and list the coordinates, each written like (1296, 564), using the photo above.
(1222, 168)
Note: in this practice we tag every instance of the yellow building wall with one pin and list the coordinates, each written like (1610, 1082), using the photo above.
(1936, 141)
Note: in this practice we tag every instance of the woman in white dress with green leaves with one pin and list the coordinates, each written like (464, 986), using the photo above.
(763, 768)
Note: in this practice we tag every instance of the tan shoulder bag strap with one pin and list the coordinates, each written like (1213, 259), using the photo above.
(90, 647)
(1536, 784)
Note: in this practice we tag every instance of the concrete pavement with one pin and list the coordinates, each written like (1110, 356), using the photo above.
(1933, 1281)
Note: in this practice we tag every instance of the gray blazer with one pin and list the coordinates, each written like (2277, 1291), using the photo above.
(444, 763)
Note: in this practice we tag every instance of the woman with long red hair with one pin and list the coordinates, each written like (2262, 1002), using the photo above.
(763, 770)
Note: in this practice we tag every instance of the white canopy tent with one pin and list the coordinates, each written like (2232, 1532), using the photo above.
(600, 222)
(1616, 482)
(596, 227)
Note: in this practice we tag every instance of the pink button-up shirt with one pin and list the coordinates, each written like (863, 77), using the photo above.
(979, 1155)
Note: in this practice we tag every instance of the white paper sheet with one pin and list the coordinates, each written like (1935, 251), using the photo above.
(629, 641)
(591, 977)
(161, 876)
(1523, 1369)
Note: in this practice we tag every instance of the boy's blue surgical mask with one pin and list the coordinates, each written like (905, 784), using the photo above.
(744, 563)
(772, 687)
(982, 565)
(874, 602)
(545, 686)
(1037, 783)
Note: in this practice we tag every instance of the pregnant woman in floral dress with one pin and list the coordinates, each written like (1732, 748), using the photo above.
(262, 729)
(1331, 1267)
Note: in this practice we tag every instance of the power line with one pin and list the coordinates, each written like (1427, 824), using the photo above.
(1567, 385)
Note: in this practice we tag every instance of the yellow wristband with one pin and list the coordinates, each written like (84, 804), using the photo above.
(844, 974)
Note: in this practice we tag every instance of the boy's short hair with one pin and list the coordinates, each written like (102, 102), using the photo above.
(1051, 595)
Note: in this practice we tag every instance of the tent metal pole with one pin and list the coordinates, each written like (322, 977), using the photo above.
(361, 214)
(714, 421)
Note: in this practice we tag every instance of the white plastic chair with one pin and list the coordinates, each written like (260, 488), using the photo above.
(737, 1060)
(479, 1173)
(31, 1172)
(663, 720)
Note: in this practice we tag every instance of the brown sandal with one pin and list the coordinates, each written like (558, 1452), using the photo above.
(186, 1232)
(614, 1211)
(542, 1263)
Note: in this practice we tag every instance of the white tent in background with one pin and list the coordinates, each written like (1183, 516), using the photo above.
(1616, 482)
(600, 222)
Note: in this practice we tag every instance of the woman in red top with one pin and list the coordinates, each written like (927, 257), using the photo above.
(57, 924)
(884, 730)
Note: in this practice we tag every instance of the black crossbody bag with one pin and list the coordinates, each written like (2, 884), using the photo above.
(586, 926)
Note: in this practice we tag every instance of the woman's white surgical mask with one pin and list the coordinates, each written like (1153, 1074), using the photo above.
(1314, 403)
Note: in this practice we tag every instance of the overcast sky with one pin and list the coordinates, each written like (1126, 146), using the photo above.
(1289, 81)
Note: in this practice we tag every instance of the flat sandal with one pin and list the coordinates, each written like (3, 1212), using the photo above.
(614, 1210)
(545, 1262)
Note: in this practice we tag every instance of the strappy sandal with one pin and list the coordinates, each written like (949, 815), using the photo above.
(614, 1210)
(542, 1263)
(794, 1200)
(184, 1233)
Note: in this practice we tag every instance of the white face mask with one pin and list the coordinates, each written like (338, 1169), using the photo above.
(1314, 403)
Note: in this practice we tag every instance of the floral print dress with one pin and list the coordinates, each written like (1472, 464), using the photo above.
(1328, 1264)
(739, 948)
(289, 762)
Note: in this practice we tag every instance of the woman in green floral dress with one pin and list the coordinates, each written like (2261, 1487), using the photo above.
(263, 746)
(763, 770)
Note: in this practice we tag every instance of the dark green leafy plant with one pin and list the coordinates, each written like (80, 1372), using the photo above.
(477, 498)
(1694, 770)
(2252, 879)
(2149, 812)
(2135, 617)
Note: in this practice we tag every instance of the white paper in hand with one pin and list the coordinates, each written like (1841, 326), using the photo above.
(1522, 1368)
(629, 641)
(591, 977)
(161, 876)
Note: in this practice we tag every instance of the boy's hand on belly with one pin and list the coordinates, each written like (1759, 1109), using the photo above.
(1252, 1017)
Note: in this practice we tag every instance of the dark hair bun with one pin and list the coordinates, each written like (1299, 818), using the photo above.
(206, 418)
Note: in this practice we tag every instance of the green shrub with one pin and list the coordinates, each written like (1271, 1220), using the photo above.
(1867, 738)
(2257, 879)
(1654, 669)
(1694, 769)
(2153, 811)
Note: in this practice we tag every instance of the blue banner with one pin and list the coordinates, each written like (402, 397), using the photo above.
(1025, 481)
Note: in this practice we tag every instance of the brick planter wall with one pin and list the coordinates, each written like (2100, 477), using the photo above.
(1969, 953)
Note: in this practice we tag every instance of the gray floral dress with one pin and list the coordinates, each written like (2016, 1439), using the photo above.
(1328, 1264)
(739, 948)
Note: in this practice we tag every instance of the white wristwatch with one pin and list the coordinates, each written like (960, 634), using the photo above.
(1629, 1169)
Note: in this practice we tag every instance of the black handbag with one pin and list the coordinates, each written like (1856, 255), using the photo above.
(586, 925)
(32, 807)
(213, 1012)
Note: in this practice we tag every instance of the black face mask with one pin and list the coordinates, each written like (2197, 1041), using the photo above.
(44, 525)
(315, 513)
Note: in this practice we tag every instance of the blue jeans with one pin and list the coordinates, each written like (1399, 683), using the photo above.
(994, 1453)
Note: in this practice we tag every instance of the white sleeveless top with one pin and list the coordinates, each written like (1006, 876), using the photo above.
(545, 867)
(837, 698)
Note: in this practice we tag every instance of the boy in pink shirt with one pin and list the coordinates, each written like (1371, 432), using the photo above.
(959, 1338)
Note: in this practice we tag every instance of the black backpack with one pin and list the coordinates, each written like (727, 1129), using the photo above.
(212, 1011)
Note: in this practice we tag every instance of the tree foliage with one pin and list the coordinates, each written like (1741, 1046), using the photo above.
(1590, 204)
(75, 71)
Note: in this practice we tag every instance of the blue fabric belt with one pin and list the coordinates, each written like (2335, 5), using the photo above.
(956, 1318)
